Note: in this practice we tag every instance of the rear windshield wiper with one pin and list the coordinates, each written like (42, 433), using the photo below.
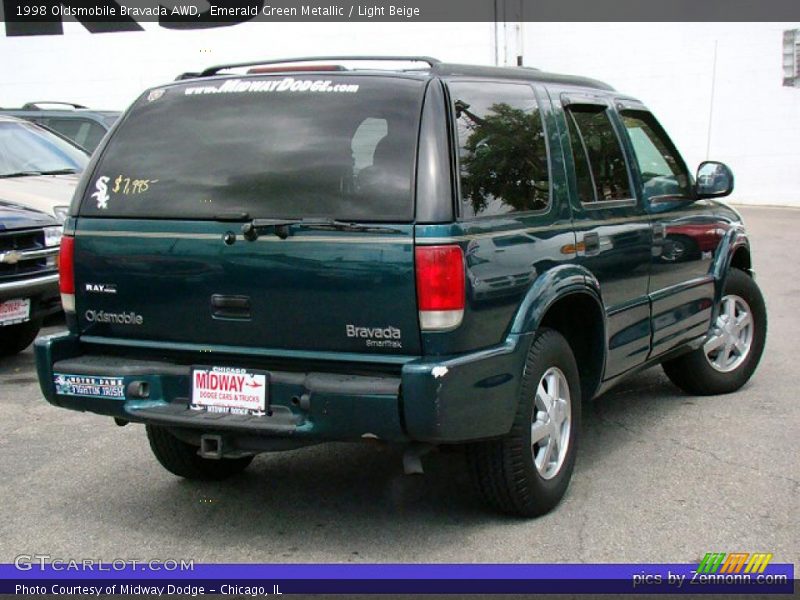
(281, 227)
(60, 172)
(21, 174)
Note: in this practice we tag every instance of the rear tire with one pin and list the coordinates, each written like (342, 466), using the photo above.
(181, 459)
(15, 338)
(730, 355)
(517, 474)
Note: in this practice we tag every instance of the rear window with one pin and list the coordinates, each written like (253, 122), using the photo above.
(271, 147)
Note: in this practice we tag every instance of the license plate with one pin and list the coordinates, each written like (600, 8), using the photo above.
(229, 390)
(15, 311)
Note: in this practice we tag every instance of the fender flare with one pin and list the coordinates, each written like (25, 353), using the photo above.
(549, 288)
(734, 239)
(556, 285)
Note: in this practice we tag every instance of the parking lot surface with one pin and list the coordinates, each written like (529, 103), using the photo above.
(661, 476)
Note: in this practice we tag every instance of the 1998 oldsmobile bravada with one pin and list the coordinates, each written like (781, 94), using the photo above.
(452, 254)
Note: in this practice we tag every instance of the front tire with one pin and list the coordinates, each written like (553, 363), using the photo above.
(730, 354)
(181, 459)
(526, 473)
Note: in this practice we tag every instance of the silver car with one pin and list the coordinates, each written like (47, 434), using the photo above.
(38, 168)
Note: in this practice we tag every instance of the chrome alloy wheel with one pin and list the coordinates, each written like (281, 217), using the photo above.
(729, 342)
(551, 423)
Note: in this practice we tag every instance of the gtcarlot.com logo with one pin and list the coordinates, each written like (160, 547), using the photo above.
(42, 562)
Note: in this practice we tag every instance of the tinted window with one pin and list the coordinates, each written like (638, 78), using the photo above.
(502, 149)
(83, 132)
(600, 166)
(583, 173)
(340, 147)
(662, 169)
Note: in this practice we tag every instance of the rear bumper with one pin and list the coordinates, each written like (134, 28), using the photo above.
(467, 397)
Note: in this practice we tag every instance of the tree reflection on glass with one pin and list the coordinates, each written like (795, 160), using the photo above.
(500, 162)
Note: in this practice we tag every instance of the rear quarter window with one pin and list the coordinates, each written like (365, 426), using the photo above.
(341, 147)
(503, 163)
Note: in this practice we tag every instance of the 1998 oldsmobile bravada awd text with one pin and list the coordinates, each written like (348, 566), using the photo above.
(441, 255)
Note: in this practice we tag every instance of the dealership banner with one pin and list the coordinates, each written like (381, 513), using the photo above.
(716, 573)
(45, 17)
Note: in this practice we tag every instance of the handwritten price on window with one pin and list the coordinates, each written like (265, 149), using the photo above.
(131, 187)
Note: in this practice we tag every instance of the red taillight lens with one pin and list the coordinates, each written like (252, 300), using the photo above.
(440, 286)
(66, 272)
(66, 265)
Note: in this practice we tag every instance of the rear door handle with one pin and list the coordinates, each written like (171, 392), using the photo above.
(230, 307)
(591, 243)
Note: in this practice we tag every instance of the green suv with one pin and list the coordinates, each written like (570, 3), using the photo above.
(282, 253)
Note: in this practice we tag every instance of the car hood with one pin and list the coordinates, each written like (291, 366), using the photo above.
(40, 192)
(18, 217)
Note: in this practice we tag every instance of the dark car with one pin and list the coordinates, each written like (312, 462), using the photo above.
(85, 126)
(450, 254)
(29, 242)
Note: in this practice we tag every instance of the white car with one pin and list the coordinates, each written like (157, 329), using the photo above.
(38, 168)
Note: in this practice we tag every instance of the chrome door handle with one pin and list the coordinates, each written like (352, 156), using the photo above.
(591, 243)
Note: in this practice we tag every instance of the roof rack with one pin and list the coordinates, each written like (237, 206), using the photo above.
(35, 105)
(187, 75)
(216, 69)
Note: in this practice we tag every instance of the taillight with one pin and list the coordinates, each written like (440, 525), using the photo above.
(66, 273)
(440, 286)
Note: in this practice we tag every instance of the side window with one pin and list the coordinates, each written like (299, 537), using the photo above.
(83, 132)
(502, 149)
(93, 136)
(600, 167)
(662, 169)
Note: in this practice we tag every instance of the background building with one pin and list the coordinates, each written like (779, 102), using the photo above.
(728, 92)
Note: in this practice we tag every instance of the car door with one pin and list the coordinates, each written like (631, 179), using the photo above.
(685, 232)
(613, 233)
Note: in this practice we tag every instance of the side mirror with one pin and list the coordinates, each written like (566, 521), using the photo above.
(714, 180)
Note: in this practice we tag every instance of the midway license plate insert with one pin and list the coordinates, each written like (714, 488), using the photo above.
(229, 390)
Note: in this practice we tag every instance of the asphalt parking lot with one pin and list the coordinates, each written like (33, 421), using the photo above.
(661, 476)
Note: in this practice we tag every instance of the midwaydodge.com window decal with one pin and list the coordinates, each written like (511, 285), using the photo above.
(287, 84)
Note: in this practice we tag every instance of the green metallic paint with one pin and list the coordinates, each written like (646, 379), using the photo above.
(303, 291)
(550, 287)
(464, 397)
(474, 396)
(621, 262)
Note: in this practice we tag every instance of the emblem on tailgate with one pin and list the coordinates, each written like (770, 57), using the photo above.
(123, 318)
(101, 288)
(376, 337)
